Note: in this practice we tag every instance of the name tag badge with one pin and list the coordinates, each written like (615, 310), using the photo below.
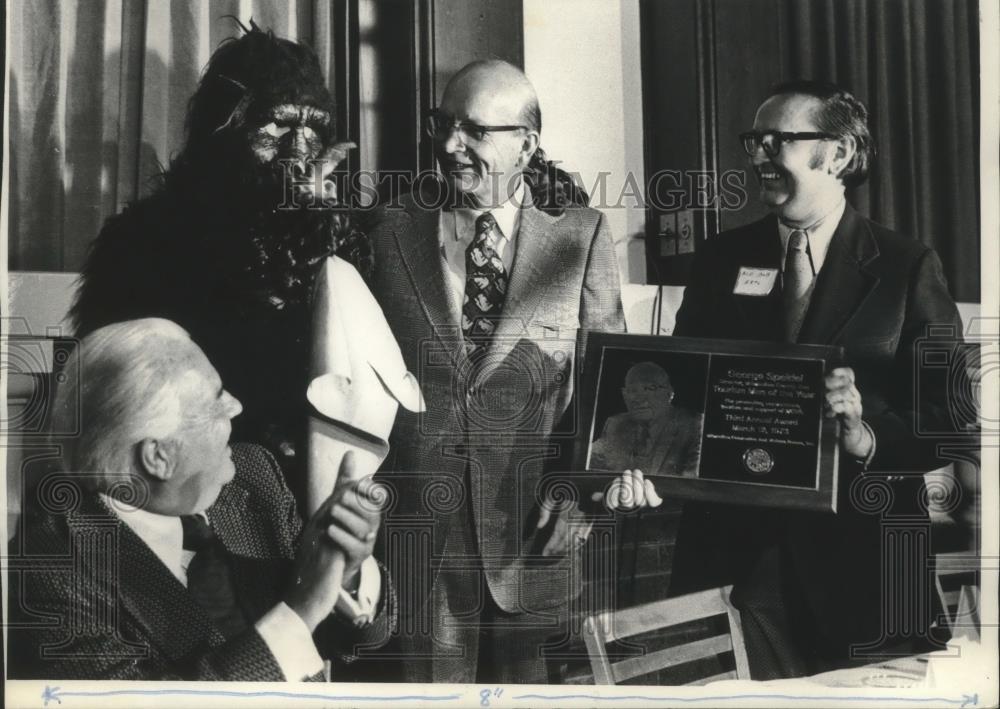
(755, 281)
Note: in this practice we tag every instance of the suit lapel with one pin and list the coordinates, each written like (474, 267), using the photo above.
(535, 263)
(663, 443)
(146, 588)
(421, 254)
(843, 283)
(256, 581)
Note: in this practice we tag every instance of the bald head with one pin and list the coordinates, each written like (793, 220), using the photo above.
(646, 373)
(647, 391)
(484, 167)
(506, 84)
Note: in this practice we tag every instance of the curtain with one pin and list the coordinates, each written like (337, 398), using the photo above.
(98, 94)
(915, 65)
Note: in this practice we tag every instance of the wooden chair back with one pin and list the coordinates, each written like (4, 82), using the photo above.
(956, 581)
(611, 626)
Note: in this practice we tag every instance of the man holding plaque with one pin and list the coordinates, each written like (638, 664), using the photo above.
(809, 585)
(485, 291)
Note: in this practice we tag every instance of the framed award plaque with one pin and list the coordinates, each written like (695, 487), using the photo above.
(725, 421)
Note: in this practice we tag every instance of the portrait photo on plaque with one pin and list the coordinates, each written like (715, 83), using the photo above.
(649, 413)
(715, 420)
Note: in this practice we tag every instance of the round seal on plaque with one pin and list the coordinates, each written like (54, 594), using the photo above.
(758, 461)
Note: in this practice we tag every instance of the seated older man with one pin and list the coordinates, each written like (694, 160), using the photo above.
(164, 554)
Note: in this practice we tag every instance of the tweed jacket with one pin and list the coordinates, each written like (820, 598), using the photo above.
(491, 427)
(89, 600)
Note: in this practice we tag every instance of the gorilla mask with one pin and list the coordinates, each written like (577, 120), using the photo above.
(263, 110)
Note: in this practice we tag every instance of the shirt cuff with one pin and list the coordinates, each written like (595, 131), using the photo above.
(289, 640)
(361, 606)
(867, 460)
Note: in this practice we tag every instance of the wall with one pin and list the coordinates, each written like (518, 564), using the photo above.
(407, 52)
(583, 58)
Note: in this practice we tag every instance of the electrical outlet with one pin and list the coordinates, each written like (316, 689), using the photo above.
(685, 232)
(668, 234)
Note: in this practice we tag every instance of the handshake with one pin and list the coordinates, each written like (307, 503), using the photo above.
(335, 543)
(341, 535)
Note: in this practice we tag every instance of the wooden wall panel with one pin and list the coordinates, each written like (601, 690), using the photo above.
(465, 30)
(748, 63)
(671, 118)
(411, 49)
(390, 62)
(706, 64)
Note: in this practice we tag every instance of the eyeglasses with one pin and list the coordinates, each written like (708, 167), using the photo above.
(440, 125)
(772, 140)
(647, 389)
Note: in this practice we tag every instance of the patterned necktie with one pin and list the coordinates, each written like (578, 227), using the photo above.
(485, 283)
(797, 284)
(209, 578)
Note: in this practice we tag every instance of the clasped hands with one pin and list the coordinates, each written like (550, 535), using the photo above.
(630, 491)
(335, 542)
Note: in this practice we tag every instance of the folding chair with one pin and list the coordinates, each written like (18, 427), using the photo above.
(611, 626)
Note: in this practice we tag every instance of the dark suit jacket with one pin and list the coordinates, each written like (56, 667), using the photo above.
(674, 446)
(89, 600)
(875, 296)
(497, 419)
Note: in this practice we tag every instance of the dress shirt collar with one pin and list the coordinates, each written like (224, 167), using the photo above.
(161, 533)
(507, 217)
(819, 234)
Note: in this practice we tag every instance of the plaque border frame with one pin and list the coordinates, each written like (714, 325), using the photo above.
(820, 498)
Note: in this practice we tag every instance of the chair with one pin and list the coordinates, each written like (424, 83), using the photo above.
(956, 581)
(612, 626)
(967, 614)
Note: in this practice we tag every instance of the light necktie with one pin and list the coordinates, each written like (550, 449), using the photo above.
(797, 283)
(209, 578)
(485, 283)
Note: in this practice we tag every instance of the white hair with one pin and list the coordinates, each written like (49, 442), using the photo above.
(121, 383)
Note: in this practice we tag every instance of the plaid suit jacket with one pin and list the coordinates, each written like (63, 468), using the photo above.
(89, 600)
(492, 428)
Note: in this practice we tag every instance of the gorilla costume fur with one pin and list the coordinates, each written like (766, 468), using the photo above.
(212, 250)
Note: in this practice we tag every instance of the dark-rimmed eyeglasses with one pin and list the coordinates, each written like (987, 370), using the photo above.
(440, 125)
(772, 140)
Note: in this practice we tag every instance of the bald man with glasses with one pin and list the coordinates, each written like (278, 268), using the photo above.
(810, 585)
(485, 288)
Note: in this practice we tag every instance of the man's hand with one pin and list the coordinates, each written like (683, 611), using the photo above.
(628, 492)
(353, 522)
(338, 537)
(843, 400)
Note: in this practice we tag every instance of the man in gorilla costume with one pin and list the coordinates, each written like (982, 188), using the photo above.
(220, 249)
